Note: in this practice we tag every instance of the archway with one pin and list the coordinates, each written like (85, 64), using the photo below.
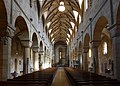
(22, 30)
(41, 58)
(80, 55)
(4, 71)
(100, 25)
(73, 57)
(102, 46)
(86, 47)
(35, 53)
(105, 52)
(20, 42)
(41, 46)
(45, 65)
(3, 19)
(17, 52)
(75, 60)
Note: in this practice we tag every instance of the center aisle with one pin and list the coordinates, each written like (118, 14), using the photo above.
(60, 78)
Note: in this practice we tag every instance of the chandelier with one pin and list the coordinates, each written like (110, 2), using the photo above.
(61, 7)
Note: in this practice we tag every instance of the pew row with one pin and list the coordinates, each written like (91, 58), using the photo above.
(82, 78)
(38, 78)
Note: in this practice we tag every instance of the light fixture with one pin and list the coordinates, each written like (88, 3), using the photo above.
(61, 7)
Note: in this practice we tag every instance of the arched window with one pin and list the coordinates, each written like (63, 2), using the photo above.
(90, 54)
(75, 14)
(80, 3)
(105, 50)
(86, 5)
(80, 19)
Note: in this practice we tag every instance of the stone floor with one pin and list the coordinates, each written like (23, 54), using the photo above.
(60, 78)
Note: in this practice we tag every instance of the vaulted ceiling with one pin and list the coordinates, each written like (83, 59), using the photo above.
(61, 26)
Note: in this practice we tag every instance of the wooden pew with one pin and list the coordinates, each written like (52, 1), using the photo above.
(83, 78)
(38, 78)
(23, 83)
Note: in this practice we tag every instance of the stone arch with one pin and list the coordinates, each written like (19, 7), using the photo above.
(45, 48)
(100, 36)
(3, 28)
(80, 46)
(76, 50)
(86, 47)
(80, 55)
(103, 55)
(22, 30)
(100, 25)
(3, 18)
(41, 57)
(86, 40)
(35, 40)
(35, 49)
(19, 42)
(73, 54)
(17, 52)
(75, 58)
(41, 46)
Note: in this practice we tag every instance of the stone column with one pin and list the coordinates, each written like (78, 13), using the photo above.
(40, 63)
(115, 34)
(6, 42)
(36, 53)
(95, 45)
(85, 58)
(44, 59)
(79, 60)
(27, 44)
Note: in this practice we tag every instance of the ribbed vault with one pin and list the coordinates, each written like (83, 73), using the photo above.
(60, 25)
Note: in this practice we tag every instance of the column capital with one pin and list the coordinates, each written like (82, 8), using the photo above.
(115, 30)
(35, 48)
(79, 52)
(41, 52)
(26, 43)
(5, 40)
(95, 43)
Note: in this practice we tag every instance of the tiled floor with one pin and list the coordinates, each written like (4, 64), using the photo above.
(60, 78)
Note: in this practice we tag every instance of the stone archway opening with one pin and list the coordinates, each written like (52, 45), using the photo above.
(75, 60)
(100, 25)
(86, 47)
(60, 58)
(41, 58)
(4, 72)
(19, 43)
(17, 53)
(105, 52)
(102, 47)
(80, 55)
(41, 46)
(3, 19)
(35, 53)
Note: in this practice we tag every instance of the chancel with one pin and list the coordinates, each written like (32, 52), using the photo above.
(59, 42)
